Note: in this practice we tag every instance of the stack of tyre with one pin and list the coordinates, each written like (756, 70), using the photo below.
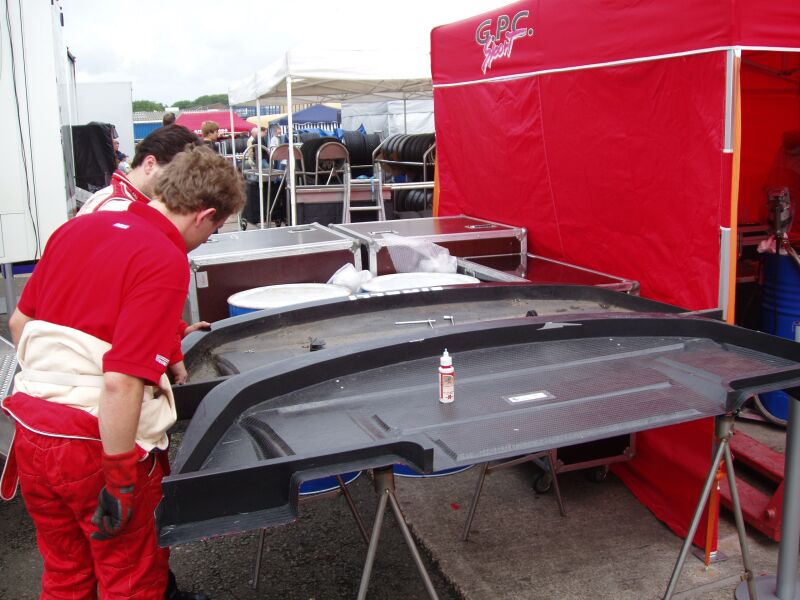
(400, 150)
(309, 150)
(361, 146)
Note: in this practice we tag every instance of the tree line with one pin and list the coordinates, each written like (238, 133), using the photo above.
(199, 102)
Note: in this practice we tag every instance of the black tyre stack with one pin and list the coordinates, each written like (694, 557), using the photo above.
(361, 146)
(403, 148)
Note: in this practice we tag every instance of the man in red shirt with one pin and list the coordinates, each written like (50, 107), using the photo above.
(92, 403)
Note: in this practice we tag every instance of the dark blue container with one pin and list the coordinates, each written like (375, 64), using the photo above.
(780, 309)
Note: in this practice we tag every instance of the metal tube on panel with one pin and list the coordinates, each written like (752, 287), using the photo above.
(730, 75)
(724, 269)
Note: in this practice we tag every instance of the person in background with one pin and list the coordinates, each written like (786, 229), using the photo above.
(276, 139)
(153, 154)
(123, 166)
(92, 404)
(168, 119)
(252, 142)
(211, 134)
(119, 156)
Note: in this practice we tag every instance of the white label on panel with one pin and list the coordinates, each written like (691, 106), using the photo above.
(202, 279)
(533, 396)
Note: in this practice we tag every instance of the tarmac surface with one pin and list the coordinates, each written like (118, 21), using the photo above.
(608, 546)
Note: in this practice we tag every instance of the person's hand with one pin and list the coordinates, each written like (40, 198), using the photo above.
(205, 325)
(178, 372)
(115, 502)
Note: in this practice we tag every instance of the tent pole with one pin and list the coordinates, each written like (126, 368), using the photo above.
(260, 169)
(733, 147)
(290, 124)
(233, 146)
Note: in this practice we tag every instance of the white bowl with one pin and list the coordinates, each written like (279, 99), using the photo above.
(404, 281)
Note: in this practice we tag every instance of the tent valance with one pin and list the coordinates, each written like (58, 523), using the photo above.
(535, 36)
(334, 75)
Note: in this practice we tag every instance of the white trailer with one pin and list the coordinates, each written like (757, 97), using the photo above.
(37, 98)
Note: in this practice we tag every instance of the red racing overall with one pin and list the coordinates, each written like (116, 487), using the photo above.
(119, 278)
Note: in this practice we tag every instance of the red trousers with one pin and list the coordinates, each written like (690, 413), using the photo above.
(60, 479)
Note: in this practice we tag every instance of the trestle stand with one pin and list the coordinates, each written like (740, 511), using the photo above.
(350, 504)
(487, 469)
(785, 585)
(353, 509)
(384, 485)
(724, 432)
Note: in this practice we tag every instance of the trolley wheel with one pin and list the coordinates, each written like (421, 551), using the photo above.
(597, 474)
(242, 223)
(768, 415)
(542, 483)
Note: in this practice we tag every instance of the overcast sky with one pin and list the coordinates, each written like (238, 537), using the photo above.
(181, 49)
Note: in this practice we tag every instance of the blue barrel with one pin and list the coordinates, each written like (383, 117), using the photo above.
(780, 309)
(404, 471)
(326, 484)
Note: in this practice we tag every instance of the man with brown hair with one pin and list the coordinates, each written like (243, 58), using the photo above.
(210, 134)
(92, 403)
(153, 153)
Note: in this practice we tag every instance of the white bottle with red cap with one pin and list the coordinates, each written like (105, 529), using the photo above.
(447, 379)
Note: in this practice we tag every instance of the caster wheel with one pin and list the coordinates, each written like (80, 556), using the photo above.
(597, 474)
(243, 224)
(543, 483)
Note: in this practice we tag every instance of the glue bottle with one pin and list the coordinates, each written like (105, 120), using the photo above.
(447, 379)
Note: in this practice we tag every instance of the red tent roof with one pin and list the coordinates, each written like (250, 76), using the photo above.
(536, 35)
(194, 121)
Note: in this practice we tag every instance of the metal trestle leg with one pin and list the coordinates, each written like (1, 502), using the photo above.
(487, 469)
(724, 432)
(384, 485)
(350, 504)
(353, 509)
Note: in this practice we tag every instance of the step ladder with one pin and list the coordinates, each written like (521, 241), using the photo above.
(376, 198)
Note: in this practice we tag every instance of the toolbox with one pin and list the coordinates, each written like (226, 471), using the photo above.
(232, 262)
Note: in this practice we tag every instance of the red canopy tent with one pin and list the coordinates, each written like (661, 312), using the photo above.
(614, 131)
(193, 121)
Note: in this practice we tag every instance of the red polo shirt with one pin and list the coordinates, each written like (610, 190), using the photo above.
(119, 276)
